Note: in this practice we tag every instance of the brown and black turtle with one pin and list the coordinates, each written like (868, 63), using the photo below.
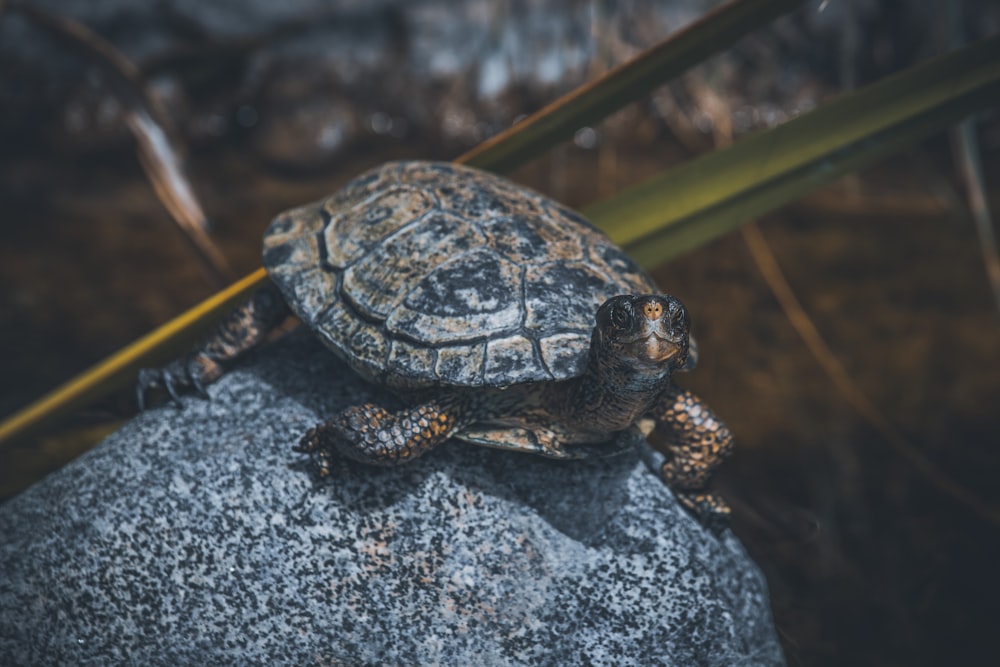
(500, 317)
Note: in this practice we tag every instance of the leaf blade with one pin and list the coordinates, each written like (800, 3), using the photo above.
(630, 81)
(710, 195)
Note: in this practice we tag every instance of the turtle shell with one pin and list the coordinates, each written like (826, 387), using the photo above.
(425, 274)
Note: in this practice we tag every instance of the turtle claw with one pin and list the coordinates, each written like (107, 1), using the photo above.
(150, 378)
(175, 379)
(320, 456)
(196, 381)
(308, 443)
(146, 380)
(169, 383)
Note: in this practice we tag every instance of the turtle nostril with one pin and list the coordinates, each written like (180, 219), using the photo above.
(652, 310)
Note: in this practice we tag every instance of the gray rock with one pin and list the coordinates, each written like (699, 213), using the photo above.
(198, 537)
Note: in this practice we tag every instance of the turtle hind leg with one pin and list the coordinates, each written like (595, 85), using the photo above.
(698, 441)
(243, 329)
(371, 434)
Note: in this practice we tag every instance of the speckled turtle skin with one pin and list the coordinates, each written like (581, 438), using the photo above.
(497, 315)
(426, 274)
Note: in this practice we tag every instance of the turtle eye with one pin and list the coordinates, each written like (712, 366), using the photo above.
(616, 313)
(621, 317)
(679, 320)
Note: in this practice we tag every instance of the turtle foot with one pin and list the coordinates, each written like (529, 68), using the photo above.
(247, 326)
(320, 452)
(371, 434)
(176, 378)
(710, 510)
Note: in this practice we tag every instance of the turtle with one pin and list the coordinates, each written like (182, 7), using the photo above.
(496, 315)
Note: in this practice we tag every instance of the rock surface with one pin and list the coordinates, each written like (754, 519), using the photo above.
(198, 537)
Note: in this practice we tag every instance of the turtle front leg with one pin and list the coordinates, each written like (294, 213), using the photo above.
(698, 441)
(371, 434)
(243, 329)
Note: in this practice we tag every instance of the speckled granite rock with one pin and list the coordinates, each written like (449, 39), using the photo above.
(197, 538)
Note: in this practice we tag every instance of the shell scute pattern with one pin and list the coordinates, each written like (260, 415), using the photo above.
(412, 361)
(465, 361)
(353, 233)
(563, 295)
(471, 294)
(529, 239)
(421, 274)
(511, 359)
(340, 319)
(371, 347)
(561, 356)
(360, 188)
(292, 258)
(475, 204)
(610, 260)
(378, 281)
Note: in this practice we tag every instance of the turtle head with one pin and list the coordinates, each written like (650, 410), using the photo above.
(649, 333)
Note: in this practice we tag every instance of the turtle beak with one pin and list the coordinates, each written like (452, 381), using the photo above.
(656, 350)
(662, 335)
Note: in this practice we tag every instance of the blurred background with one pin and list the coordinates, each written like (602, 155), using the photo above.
(870, 560)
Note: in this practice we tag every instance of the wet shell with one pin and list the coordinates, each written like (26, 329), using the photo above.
(430, 274)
